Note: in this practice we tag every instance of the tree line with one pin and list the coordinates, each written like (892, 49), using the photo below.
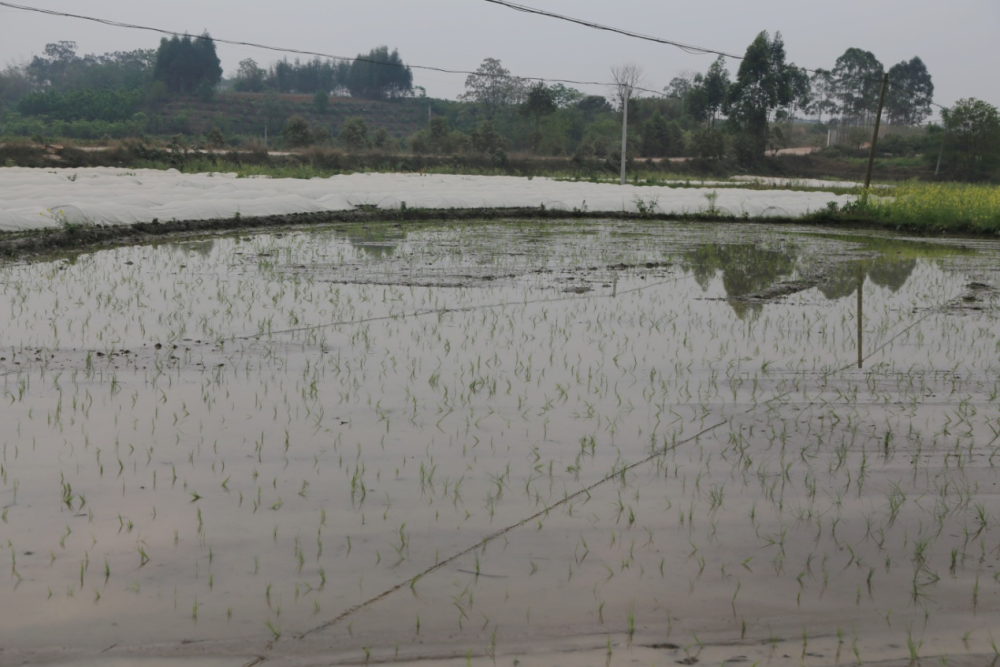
(713, 115)
(379, 74)
(187, 66)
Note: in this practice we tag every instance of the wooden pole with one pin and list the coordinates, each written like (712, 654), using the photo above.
(861, 320)
(878, 123)
(937, 169)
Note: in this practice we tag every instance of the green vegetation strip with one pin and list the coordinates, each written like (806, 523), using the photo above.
(920, 209)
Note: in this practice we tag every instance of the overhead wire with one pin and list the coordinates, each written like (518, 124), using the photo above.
(689, 48)
(302, 52)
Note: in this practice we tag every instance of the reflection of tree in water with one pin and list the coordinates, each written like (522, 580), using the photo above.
(891, 273)
(377, 241)
(749, 268)
(884, 271)
(203, 248)
(746, 268)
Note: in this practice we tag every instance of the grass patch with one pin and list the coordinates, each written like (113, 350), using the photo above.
(943, 206)
(925, 208)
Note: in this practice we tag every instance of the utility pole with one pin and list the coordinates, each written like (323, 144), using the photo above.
(878, 123)
(626, 78)
(628, 93)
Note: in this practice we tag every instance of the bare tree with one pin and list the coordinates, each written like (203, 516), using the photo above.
(627, 78)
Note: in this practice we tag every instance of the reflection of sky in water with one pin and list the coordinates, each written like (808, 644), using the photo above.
(469, 377)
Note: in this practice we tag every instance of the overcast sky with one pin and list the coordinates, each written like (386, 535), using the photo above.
(959, 41)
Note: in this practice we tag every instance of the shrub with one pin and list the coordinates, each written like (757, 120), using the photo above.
(354, 134)
(297, 132)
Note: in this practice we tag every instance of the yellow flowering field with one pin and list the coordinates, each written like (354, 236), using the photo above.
(943, 206)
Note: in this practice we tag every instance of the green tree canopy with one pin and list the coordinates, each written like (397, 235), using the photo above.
(297, 132)
(14, 84)
(858, 74)
(354, 134)
(972, 142)
(764, 85)
(661, 138)
(61, 69)
(107, 105)
(594, 104)
(679, 87)
(707, 94)
(379, 75)
(493, 88)
(307, 77)
(911, 92)
(539, 102)
(824, 97)
(186, 64)
(565, 96)
(249, 77)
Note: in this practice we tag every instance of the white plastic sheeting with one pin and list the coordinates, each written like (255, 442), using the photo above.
(40, 198)
(800, 182)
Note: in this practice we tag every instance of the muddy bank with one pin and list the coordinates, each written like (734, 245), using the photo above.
(88, 238)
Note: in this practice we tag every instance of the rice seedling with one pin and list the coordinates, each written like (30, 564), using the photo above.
(523, 397)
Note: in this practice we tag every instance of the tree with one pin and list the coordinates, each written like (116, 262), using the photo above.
(705, 95)
(321, 101)
(215, 138)
(61, 69)
(824, 94)
(564, 96)
(972, 141)
(309, 77)
(381, 140)
(626, 78)
(764, 85)
(249, 77)
(271, 107)
(592, 105)
(696, 100)
(439, 134)
(52, 70)
(354, 134)
(493, 88)
(185, 64)
(716, 86)
(486, 139)
(297, 132)
(679, 87)
(538, 103)
(661, 138)
(14, 84)
(380, 75)
(801, 86)
(911, 92)
(859, 76)
(708, 143)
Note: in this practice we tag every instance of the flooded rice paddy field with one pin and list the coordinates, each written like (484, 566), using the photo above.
(579, 443)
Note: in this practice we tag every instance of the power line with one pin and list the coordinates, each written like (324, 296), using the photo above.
(521, 8)
(688, 48)
(279, 49)
(695, 50)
